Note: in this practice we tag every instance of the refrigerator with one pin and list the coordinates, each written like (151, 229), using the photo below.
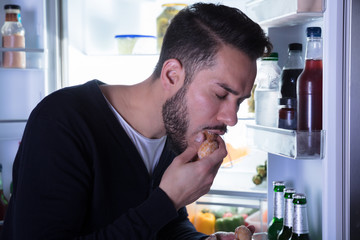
(71, 42)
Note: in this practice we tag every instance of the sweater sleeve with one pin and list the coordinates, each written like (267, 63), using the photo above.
(180, 229)
(52, 197)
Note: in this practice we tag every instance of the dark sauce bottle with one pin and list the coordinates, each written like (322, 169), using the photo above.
(309, 84)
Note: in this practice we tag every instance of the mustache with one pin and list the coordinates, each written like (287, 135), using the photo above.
(222, 128)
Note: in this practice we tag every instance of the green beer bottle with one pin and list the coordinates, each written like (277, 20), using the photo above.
(277, 221)
(300, 222)
(286, 231)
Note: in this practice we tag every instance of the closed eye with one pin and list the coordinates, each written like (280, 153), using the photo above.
(221, 97)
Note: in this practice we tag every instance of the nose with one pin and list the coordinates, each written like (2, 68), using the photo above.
(228, 114)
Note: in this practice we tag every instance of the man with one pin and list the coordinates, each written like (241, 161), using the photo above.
(119, 162)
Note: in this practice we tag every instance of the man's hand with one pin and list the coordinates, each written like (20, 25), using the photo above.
(222, 236)
(186, 180)
(228, 235)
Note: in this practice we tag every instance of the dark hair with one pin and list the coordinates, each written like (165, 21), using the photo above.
(197, 32)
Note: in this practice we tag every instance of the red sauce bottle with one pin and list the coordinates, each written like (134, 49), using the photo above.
(309, 84)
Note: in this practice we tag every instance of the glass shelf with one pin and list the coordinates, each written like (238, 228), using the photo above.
(294, 12)
(35, 57)
(288, 143)
(41, 50)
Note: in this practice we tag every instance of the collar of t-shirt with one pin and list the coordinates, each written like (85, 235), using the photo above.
(150, 150)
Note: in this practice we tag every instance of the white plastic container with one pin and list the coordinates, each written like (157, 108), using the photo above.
(136, 44)
(267, 92)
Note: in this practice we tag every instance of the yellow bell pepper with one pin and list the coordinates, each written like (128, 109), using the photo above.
(205, 222)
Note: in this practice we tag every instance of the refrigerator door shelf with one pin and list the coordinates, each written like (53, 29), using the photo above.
(292, 13)
(35, 57)
(288, 143)
(20, 92)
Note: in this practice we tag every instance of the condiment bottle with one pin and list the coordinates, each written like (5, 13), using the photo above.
(309, 84)
(287, 113)
(294, 65)
(13, 36)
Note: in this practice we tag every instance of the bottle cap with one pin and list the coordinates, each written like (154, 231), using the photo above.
(274, 56)
(295, 46)
(313, 32)
(11, 6)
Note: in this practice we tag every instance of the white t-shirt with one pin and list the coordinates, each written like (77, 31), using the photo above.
(150, 149)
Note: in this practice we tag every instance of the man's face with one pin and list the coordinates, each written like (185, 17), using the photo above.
(212, 99)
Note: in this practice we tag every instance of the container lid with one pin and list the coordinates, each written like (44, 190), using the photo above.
(274, 56)
(134, 36)
(313, 32)
(295, 46)
(11, 6)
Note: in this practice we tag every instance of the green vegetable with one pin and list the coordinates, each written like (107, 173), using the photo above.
(228, 224)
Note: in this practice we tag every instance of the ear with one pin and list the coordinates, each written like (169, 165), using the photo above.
(172, 75)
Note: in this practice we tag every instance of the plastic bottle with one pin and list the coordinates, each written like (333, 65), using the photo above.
(267, 91)
(309, 84)
(13, 36)
(292, 69)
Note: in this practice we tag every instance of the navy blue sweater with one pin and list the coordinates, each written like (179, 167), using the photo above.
(77, 175)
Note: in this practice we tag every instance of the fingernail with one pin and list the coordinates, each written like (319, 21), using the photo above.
(199, 137)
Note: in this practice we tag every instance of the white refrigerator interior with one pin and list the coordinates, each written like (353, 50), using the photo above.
(84, 48)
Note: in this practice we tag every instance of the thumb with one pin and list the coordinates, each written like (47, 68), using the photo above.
(190, 153)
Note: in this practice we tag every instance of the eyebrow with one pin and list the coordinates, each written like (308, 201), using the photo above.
(230, 90)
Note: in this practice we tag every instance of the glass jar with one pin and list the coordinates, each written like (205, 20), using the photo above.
(164, 19)
(287, 113)
(13, 36)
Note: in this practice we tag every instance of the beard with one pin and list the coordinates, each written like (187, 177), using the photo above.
(176, 121)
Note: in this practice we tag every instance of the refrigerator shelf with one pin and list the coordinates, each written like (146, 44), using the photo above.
(289, 143)
(294, 12)
(40, 50)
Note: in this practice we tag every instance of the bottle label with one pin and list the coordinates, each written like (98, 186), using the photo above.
(300, 224)
(278, 205)
(289, 210)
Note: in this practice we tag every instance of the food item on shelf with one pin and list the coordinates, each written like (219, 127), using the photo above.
(261, 173)
(205, 222)
(257, 179)
(234, 154)
(228, 224)
(208, 146)
(243, 233)
(261, 170)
